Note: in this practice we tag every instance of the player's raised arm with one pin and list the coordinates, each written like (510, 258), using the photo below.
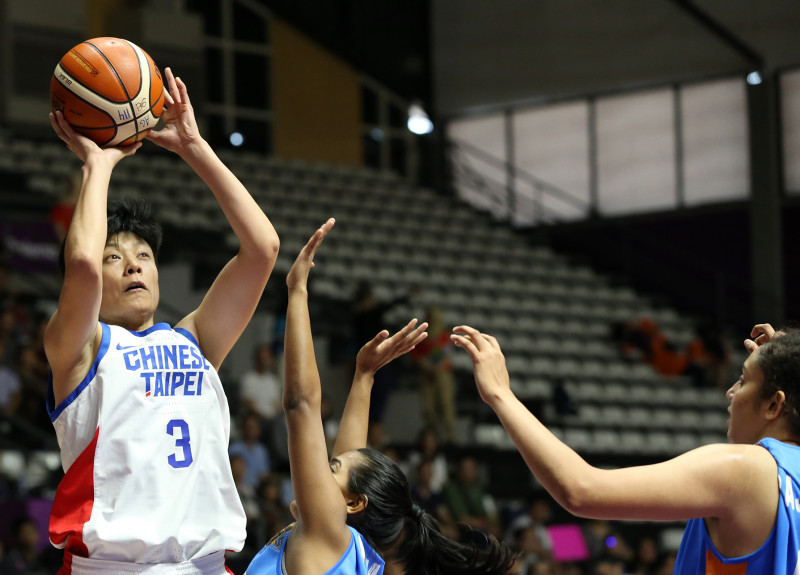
(706, 482)
(373, 355)
(73, 328)
(230, 302)
(319, 500)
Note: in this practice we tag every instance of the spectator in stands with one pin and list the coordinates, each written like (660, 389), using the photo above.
(425, 496)
(247, 494)
(62, 211)
(34, 371)
(140, 402)
(526, 541)
(23, 555)
(274, 514)
(737, 518)
(368, 319)
(330, 424)
(10, 338)
(252, 450)
(708, 360)
(467, 499)
(536, 517)
(646, 559)
(9, 390)
(437, 383)
(250, 504)
(260, 388)
(428, 449)
(642, 338)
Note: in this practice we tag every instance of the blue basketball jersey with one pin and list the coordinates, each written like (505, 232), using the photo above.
(780, 552)
(359, 559)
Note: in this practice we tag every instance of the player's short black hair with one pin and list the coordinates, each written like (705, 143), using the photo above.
(134, 215)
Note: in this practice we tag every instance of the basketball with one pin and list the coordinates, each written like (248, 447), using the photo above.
(109, 90)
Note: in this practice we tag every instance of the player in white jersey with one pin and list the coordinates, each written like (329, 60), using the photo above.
(138, 408)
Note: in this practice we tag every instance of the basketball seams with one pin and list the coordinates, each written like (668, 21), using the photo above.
(116, 74)
(76, 83)
(144, 82)
(131, 113)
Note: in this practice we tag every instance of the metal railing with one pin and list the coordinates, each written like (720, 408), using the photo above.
(522, 198)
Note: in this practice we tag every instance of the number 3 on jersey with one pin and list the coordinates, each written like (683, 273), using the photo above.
(181, 441)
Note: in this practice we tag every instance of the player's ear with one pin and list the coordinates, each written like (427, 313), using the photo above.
(357, 504)
(775, 405)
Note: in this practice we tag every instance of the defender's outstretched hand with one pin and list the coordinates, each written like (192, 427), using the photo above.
(83, 147)
(761, 334)
(491, 374)
(180, 127)
(297, 278)
(380, 350)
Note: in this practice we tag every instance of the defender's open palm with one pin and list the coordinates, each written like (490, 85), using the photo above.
(298, 275)
(380, 350)
(491, 375)
(180, 127)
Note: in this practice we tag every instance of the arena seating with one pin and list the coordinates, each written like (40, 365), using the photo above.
(551, 315)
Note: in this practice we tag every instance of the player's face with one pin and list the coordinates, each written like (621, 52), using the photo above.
(130, 282)
(746, 422)
(340, 467)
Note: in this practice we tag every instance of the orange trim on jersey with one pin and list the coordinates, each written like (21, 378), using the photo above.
(716, 567)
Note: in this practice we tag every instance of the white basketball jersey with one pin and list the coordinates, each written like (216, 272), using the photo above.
(144, 444)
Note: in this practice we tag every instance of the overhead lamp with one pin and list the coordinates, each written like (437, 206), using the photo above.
(418, 120)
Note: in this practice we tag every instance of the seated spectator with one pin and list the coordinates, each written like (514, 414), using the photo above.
(23, 555)
(645, 561)
(275, 514)
(9, 390)
(260, 388)
(437, 382)
(424, 495)
(252, 450)
(643, 339)
(428, 449)
(247, 494)
(536, 517)
(467, 500)
(708, 358)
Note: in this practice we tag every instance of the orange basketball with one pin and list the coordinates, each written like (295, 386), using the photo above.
(109, 90)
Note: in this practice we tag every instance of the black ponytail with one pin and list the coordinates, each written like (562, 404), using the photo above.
(401, 531)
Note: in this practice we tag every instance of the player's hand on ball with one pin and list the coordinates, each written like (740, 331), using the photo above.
(83, 147)
(180, 127)
(491, 374)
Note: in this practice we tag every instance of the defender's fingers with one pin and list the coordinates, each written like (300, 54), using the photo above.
(475, 336)
(466, 343)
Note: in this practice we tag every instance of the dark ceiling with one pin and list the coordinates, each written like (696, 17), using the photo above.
(388, 40)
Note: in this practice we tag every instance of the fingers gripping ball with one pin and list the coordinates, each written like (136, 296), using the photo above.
(109, 90)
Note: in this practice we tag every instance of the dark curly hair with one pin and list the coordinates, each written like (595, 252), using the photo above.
(779, 360)
(399, 530)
